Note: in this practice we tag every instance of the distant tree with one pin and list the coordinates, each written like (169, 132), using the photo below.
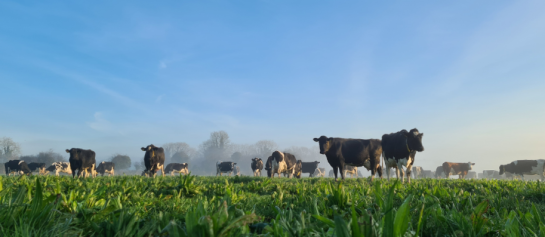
(215, 148)
(237, 157)
(9, 150)
(265, 148)
(172, 148)
(47, 157)
(122, 162)
(180, 157)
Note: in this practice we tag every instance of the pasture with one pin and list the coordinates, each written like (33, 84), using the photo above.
(248, 206)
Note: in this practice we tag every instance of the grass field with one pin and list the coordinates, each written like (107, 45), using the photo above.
(210, 206)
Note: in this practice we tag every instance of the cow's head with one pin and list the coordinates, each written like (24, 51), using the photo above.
(278, 156)
(324, 143)
(414, 140)
(470, 165)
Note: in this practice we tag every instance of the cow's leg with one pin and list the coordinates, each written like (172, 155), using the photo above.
(409, 171)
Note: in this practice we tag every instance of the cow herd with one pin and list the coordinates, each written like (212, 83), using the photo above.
(398, 151)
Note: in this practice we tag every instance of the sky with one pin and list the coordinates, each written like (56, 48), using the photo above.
(114, 76)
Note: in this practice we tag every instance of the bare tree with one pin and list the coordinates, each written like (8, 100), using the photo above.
(215, 148)
(176, 147)
(47, 157)
(265, 148)
(9, 149)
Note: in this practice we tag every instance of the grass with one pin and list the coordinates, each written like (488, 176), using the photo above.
(248, 206)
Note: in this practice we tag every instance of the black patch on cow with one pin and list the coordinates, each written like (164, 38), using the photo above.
(154, 157)
(105, 166)
(309, 167)
(17, 165)
(33, 166)
(226, 166)
(355, 152)
(80, 160)
(522, 166)
(175, 167)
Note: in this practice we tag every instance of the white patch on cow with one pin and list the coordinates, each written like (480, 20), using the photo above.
(279, 167)
(470, 165)
(415, 133)
(20, 162)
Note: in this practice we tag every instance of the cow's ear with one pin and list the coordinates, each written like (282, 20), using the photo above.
(472, 163)
(315, 139)
(144, 149)
(67, 151)
(330, 138)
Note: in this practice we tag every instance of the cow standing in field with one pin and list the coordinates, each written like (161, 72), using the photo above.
(319, 172)
(524, 167)
(399, 149)
(460, 169)
(83, 161)
(440, 173)
(180, 168)
(17, 167)
(427, 174)
(60, 167)
(352, 170)
(154, 160)
(417, 172)
(257, 166)
(355, 152)
(37, 167)
(491, 174)
(309, 167)
(225, 167)
(282, 163)
(106, 167)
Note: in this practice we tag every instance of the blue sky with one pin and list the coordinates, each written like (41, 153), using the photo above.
(116, 76)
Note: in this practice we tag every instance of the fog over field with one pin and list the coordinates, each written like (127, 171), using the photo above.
(114, 77)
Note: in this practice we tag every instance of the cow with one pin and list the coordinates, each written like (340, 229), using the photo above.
(427, 174)
(319, 172)
(491, 174)
(355, 152)
(268, 166)
(83, 161)
(257, 166)
(309, 167)
(37, 167)
(524, 167)
(352, 170)
(460, 169)
(297, 170)
(154, 160)
(60, 167)
(106, 167)
(417, 172)
(17, 167)
(225, 167)
(440, 173)
(399, 149)
(180, 168)
(282, 163)
(471, 175)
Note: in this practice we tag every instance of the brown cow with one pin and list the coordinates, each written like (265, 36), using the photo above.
(460, 169)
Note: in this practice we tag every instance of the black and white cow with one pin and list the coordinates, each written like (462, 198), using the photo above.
(297, 170)
(83, 161)
(268, 166)
(524, 167)
(60, 167)
(399, 150)
(180, 168)
(355, 152)
(283, 162)
(37, 167)
(17, 167)
(319, 172)
(418, 172)
(154, 160)
(257, 166)
(352, 170)
(309, 167)
(225, 167)
(106, 167)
